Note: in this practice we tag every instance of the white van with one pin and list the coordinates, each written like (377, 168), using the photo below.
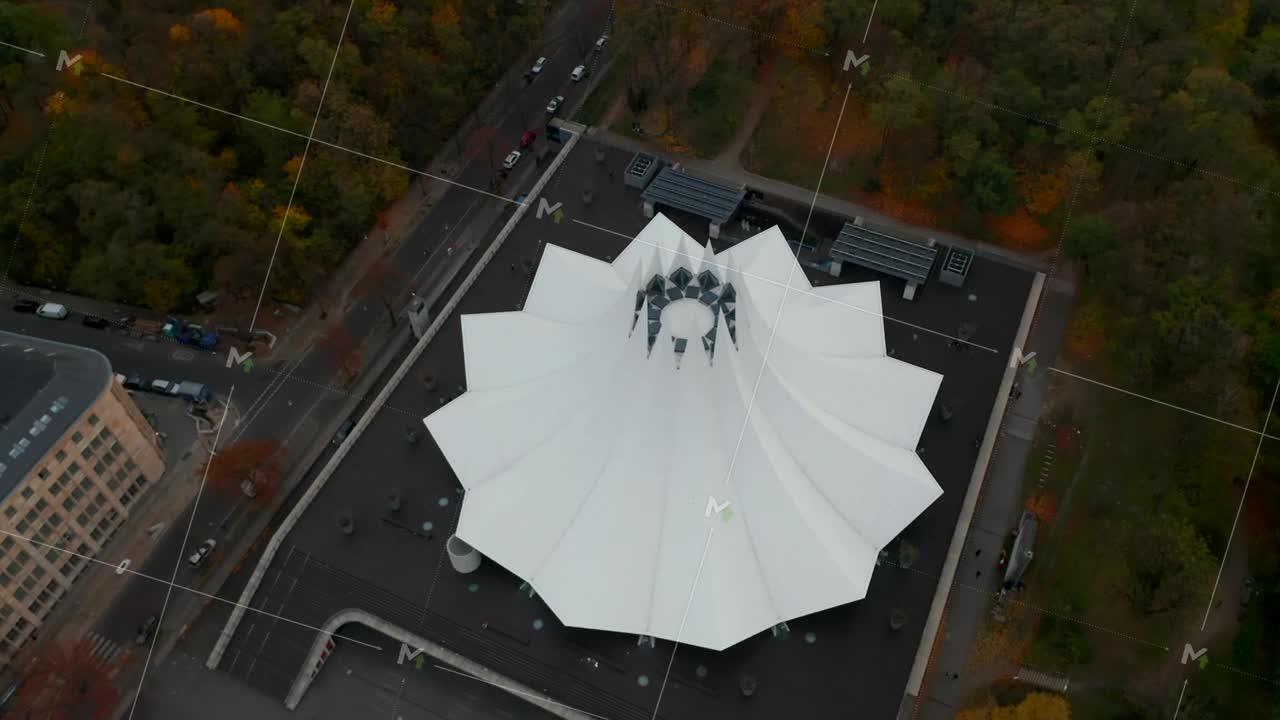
(578, 73)
(53, 311)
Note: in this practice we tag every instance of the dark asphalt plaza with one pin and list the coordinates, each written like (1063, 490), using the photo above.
(394, 565)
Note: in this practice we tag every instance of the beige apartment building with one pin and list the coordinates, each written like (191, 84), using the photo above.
(75, 454)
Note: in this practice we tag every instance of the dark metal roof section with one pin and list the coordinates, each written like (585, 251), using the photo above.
(715, 201)
(47, 387)
(884, 253)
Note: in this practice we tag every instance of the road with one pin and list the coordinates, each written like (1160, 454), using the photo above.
(297, 398)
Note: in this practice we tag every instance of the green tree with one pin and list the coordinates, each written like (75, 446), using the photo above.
(993, 186)
(1088, 239)
(898, 107)
(1168, 565)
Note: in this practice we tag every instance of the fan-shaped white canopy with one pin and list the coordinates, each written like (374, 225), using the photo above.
(599, 420)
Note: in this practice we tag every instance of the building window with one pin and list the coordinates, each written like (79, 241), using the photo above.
(9, 512)
(53, 556)
(32, 516)
(13, 636)
(4, 580)
(96, 535)
(93, 419)
(20, 595)
(27, 493)
(36, 607)
(115, 446)
(43, 474)
(23, 557)
(130, 465)
(83, 549)
(77, 494)
(45, 531)
(14, 568)
(38, 573)
(141, 481)
(83, 519)
(100, 469)
(55, 520)
(114, 484)
(86, 484)
(73, 469)
(95, 443)
(60, 455)
(86, 453)
(42, 505)
(29, 583)
(68, 504)
(76, 437)
(6, 544)
(23, 527)
(124, 501)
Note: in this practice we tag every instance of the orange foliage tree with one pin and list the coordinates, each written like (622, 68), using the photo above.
(65, 682)
(344, 348)
(251, 467)
(222, 19)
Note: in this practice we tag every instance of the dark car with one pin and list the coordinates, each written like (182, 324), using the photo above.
(343, 431)
(1246, 592)
(26, 306)
(527, 139)
(94, 321)
(134, 382)
(145, 630)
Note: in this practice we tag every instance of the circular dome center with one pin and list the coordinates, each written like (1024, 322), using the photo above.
(687, 318)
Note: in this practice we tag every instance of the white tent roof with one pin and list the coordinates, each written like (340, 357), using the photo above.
(588, 458)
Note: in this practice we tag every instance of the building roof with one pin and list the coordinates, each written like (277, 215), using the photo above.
(715, 201)
(591, 438)
(48, 387)
(884, 253)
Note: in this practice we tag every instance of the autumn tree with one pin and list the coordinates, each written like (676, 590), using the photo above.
(249, 467)
(1169, 567)
(344, 349)
(1035, 706)
(65, 682)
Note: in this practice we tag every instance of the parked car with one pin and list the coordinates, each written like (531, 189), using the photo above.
(553, 107)
(343, 431)
(527, 139)
(1246, 592)
(201, 554)
(94, 321)
(26, 306)
(144, 630)
(163, 387)
(513, 157)
(135, 382)
(53, 311)
(578, 73)
(600, 42)
(537, 66)
(197, 393)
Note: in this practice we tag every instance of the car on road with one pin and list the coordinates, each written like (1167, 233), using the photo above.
(145, 630)
(197, 558)
(94, 321)
(26, 306)
(343, 431)
(600, 42)
(527, 139)
(135, 382)
(513, 157)
(578, 73)
(537, 66)
(553, 107)
(163, 387)
(53, 311)
(1246, 592)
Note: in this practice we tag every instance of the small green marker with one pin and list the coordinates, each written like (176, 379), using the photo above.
(558, 216)
(418, 662)
(726, 514)
(864, 68)
(1204, 661)
(76, 69)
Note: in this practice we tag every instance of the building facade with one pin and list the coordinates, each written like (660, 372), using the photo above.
(75, 454)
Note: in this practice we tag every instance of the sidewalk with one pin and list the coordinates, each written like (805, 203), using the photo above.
(97, 589)
(804, 196)
(998, 509)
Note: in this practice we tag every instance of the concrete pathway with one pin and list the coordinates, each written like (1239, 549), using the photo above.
(998, 509)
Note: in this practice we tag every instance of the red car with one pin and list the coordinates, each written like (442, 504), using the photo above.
(527, 139)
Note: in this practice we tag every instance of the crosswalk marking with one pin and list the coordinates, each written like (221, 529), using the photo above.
(104, 648)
